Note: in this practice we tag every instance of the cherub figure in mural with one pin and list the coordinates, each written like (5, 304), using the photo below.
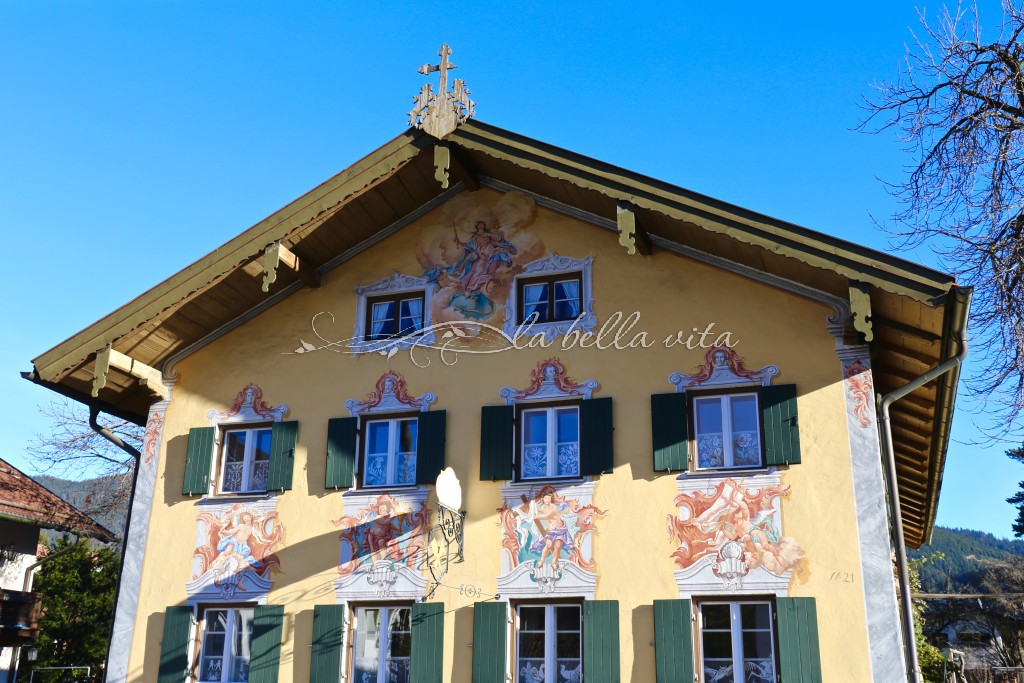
(237, 542)
(733, 513)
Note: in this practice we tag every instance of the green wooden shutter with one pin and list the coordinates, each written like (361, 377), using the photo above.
(341, 452)
(781, 434)
(497, 442)
(328, 639)
(197, 461)
(669, 432)
(430, 438)
(596, 455)
(673, 641)
(601, 641)
(490, 642)
(283, 436)
(797, 621)
(427, 642)
(265, 648)
(174, 646)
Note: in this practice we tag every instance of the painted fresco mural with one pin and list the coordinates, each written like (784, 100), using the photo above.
(472, 254)
(383, 546)
(234, 552)
(733, 530)
(547, 539)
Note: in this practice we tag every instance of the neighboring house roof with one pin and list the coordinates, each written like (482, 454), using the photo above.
(24, 500)
(915, 314)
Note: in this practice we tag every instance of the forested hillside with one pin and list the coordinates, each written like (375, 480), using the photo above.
(93, 497)
(964, 552)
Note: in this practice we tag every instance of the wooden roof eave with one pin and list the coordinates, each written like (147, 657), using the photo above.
(857, 263)
(53, 364)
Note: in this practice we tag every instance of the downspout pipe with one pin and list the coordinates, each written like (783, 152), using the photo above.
(902, 567)
(136, 455)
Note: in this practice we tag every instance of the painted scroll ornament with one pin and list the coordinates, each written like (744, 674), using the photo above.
(723, 367)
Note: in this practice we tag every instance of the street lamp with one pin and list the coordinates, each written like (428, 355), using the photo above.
(450, 521)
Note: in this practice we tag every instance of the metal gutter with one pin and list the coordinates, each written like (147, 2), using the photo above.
(958, 295)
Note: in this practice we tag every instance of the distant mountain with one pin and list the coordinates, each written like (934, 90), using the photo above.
(103, 498)
(964, 552)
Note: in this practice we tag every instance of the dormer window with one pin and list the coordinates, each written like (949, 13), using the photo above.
(393, 313)
(550, 298)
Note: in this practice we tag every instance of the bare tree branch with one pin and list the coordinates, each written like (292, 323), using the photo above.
(958, 109)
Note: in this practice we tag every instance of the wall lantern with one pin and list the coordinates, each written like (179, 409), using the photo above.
(450, 522)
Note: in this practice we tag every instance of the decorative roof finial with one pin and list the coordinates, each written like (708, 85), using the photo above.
(440, 113)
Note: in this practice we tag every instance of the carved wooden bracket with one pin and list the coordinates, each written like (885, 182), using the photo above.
(446, 160)
(860, 306)
(631, 234)
(277, 254)
(149, 378)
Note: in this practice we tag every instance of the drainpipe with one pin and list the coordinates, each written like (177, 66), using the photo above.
(132, 451)
(906, 607)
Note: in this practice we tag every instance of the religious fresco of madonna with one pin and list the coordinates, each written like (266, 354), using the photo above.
(383, 546)
(471, 256)
(547, 540)
(234, 554)
(729, 537)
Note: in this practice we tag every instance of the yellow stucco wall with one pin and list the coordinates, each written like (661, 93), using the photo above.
(631, 545)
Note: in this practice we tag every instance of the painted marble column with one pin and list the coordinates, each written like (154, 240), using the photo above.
(882, 611)
(135, 543)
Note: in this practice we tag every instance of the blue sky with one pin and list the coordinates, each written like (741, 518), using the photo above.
(137, 136)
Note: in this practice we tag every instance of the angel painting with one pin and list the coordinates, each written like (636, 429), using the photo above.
(381, 532)
(733, 514)
(235, 544)
(548, 529)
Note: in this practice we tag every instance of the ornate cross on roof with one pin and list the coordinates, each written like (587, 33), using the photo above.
(440, 113)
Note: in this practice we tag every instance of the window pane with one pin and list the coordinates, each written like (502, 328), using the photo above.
(366, 650)
(382, 322)
(531, 618)
(757, 645)
(399, 670)
(568, 459)
(568, 646)
(535, 303)
(568, 424)
(717, 644)
(216, 621)
(746, 437)
(407, 436)
(411, 316)
(261, 461)
(715, 616)
(533, 294)
(531, 646)
(234, 461)
(710, 447)
(377, 438)
(536, 427)
(719, 671)
(756, 616)
(567, 299)
(567, 618)
(531, 671)
(567, 289)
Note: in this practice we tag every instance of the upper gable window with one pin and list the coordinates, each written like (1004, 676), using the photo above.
(551, 298)
(394, 316)
(393, 313)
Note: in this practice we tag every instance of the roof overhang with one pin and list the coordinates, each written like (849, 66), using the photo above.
(915, 312)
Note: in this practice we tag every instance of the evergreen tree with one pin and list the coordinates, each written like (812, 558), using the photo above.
(78, 605)
(1018, 498)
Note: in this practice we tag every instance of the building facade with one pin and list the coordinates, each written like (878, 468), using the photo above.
(661, 410)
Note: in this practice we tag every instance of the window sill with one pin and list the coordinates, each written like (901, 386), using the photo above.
(217, 498)
(367, 490)
(726, 472)
(549, 481)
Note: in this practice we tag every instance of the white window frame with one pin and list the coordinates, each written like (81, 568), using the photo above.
(383, 645)
(396, 284)
(550, 638)
(247, 460)
(736, 631)
(392, 466)
(551, 443)
(725, 400)
(229, 636)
